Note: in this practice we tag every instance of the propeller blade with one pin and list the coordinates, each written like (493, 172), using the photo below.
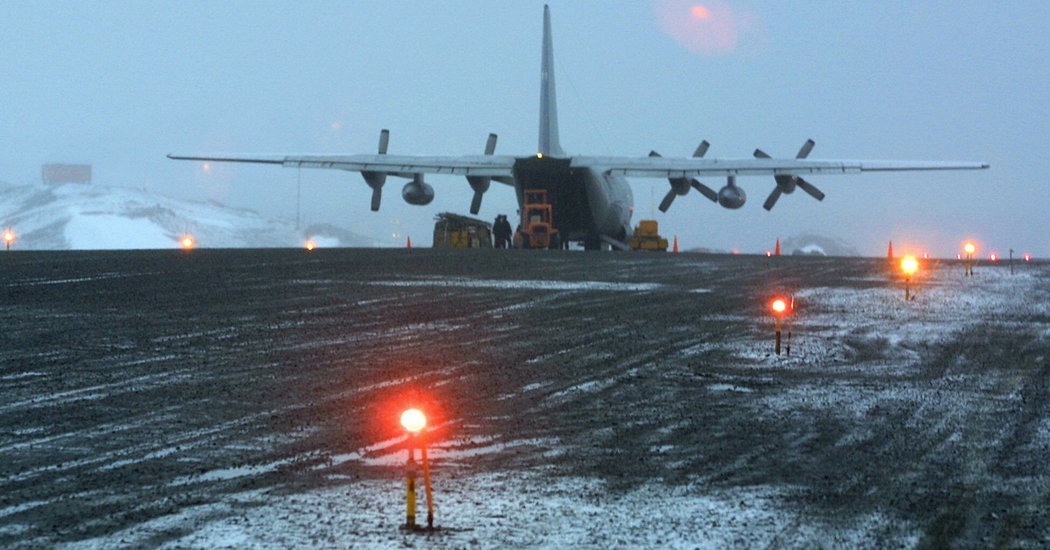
(384, 140)
(806, 148)
(760, 154)
(475, 203)
(811, 189)
(676, 183)
(490, 146)
(704, 190)
(772, 199)
(377, 195)
(668, 199)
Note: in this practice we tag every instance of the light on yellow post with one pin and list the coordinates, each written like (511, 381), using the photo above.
(413, 420)
(970, 249)
(909, 265)
(780, 308)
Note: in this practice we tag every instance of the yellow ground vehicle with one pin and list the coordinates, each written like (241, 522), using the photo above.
(647, 237)
(537, 226)
(455, 231)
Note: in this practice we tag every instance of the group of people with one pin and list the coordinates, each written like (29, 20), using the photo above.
(502, 232)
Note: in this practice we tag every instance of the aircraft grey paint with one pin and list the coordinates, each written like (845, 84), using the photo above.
(590, 197)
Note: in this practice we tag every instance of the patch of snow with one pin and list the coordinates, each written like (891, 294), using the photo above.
(508, 509)
(459, 282)
(109, 232)
(811, 249)
(728, 387)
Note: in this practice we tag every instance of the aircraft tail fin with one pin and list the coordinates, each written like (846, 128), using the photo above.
(549, 144)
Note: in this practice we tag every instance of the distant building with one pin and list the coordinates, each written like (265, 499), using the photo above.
(57, 174)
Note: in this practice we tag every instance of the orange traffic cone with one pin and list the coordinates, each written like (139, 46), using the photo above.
(776, 251)
(675, 249)
(408, 242)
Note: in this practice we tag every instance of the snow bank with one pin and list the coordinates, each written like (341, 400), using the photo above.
(110, 232)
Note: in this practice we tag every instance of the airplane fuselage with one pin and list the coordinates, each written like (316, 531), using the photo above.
(587, 203)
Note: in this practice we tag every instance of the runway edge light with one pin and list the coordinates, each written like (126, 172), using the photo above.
(970, 249)
(779, 307)
(909, 265)
(413, 420)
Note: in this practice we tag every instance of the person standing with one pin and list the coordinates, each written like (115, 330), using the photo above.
(501, 231)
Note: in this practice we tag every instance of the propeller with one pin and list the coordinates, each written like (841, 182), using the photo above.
(480, 184)
(786, 183)
(680, 186)
(375, 180)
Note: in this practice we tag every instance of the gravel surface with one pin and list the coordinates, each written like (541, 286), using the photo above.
(251, 397)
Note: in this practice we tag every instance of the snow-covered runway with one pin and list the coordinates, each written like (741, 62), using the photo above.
(250, 398)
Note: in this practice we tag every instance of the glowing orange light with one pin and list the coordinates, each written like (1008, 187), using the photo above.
(705, 27)
(413, 420)
(310, 245)
(994, 257)
(1027, 257)
(909, 265)
(9, 236)
(187, 242)
(769, 254)
(779, 306)
(970, 248)
(206, 167)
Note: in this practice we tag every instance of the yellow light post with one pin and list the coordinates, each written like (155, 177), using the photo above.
(909, 266)
(969, 248)
(9, 237)
(413, 420)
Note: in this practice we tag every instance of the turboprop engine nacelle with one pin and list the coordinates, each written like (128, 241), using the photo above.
(731, 196)
(417, 192)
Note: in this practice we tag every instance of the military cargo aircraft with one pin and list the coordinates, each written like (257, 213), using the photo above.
(589, 196)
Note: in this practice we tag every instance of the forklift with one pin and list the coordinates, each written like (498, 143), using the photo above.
(537, 225)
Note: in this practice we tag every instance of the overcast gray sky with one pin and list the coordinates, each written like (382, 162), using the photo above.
(119, 84)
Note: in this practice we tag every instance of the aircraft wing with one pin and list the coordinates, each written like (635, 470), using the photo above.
(499, 167)
(661, 167)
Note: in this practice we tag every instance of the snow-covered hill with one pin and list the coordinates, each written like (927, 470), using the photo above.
(93, 217)
(818, 245)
